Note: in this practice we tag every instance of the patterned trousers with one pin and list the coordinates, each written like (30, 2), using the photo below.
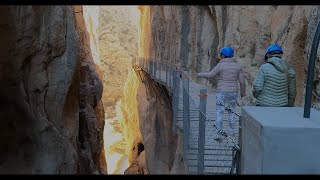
(229, 99)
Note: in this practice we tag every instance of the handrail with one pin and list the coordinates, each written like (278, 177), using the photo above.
(189, 104)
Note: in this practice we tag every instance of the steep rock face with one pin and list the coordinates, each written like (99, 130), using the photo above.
(155, 120)
(91, 18)
(118, 44)
(180, 35)
(130, 117)
(91, 119)
(40, 78)
(138, 165)
(260, 26)
(185, 34)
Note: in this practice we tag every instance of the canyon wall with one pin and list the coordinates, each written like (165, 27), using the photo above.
(191, 36)
(118, 44)
(92, 115)
(155, 121)
(51, 111)
(91, 18)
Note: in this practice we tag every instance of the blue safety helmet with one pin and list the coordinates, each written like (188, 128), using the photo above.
(227, 51)
(273, 48)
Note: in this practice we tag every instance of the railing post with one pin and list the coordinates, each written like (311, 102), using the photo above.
(150, 67)
(176, 92)
(175, 110)
(155, 69)
(169, 76)
(166, 69)
(159, 67)
(173, 72)
(202, 128)
(146, 64)
(238, 165)
(186, 111)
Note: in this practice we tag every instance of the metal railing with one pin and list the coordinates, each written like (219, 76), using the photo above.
(170, 75)
(159, 71)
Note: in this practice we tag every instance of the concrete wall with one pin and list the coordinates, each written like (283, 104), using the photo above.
(278, 140)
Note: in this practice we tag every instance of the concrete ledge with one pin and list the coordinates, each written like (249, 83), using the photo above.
(278, 140)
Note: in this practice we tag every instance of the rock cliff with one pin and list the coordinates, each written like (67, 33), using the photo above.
(192, 35)
(51, 111)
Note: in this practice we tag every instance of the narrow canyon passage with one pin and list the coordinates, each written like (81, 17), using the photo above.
(73, 104)
(114, 32)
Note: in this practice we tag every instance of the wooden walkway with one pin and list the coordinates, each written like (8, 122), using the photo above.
(217, 155)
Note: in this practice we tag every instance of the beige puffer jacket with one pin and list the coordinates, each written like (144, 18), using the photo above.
(229, 73)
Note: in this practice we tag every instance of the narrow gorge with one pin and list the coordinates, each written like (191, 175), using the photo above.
(72, 103)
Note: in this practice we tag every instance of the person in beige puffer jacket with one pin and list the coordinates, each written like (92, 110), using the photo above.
(230, 75)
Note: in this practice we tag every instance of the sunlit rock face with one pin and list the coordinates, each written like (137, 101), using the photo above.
(91, 116)
(124, 134)
(91, 19)
(118, 44)
(114, 30)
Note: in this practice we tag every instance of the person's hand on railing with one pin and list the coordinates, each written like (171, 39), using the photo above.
(216, 60)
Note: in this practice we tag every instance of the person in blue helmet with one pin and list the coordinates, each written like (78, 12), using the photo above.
(275, 83)
(229, 74)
